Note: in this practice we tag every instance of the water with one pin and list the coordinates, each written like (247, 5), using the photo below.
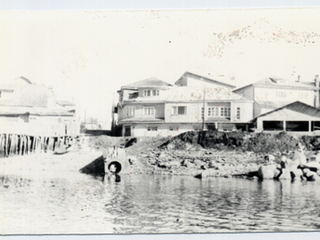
(155, 204)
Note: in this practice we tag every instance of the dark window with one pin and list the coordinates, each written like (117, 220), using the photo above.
(315, 126)
(181, 110)
(127, 131)
(273, 125)
(297, 126)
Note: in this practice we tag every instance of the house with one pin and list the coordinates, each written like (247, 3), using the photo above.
(272, 93)
(141, 104)
(29, 110)
(152, 107)
(294, 117)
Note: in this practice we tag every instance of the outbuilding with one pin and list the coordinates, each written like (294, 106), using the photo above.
(293, 117)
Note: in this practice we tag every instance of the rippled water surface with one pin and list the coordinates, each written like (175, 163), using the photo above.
(155, 204)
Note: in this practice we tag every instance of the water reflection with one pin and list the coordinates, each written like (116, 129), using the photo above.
(155, 204)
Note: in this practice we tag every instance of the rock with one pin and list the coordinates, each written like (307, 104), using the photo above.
(309, 175)
(268, 172)
(198, 163)
(313, 165)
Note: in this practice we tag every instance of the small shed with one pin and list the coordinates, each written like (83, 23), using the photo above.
(294, 117)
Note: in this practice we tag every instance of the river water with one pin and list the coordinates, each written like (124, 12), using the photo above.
(80, 203)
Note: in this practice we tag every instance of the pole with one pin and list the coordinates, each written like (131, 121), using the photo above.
(204, 110)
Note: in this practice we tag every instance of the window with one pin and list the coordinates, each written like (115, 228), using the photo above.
(210, 111)
(148, 93)
(155, 92)
(229, 112)
(221, 112)
(130, 111)
(238, 113)
(281, 94)
(179, 110)
(148, 111)
(272, 125)
(152, 129)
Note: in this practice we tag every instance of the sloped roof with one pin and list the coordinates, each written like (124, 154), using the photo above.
(193, 94)
(149, 82)
(27, 94)
(279, 83)
(272, 105)
(202, 78)
(297, 107)
(7, 110)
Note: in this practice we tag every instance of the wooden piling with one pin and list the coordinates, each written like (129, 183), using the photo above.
(29, 145)
(6, 146)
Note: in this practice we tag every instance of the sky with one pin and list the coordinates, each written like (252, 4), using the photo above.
(86, 56)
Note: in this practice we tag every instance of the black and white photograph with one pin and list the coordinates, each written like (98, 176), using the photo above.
(160, 121)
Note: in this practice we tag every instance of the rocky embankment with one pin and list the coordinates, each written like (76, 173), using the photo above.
(207, 154)
(218, 154)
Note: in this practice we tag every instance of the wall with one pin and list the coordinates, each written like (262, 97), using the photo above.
(6, 95)
(193, 82)
(246, 111)
(193, 113)
(39, 125)
(247, 92)
(140, 130)
(285, 95)
(139, 113)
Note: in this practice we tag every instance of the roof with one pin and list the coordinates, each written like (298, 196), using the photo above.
(202, 78)
(279, 83)
(141, 120)
(149, 82)
(7, 110)
(27, 94)
(271, 105)
(297, 107)
(64, 103)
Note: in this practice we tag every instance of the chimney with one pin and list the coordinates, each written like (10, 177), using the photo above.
(298, 80)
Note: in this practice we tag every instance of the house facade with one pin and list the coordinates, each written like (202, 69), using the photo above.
(154, 108)
(271, 93)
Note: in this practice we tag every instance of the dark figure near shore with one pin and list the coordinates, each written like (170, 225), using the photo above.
(115, 168)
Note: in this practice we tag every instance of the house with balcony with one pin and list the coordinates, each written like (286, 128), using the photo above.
(140, 107)
(152, 107)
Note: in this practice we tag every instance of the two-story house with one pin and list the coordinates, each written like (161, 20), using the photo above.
(140, 109)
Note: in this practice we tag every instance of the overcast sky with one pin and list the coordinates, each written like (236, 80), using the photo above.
(87, 56)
